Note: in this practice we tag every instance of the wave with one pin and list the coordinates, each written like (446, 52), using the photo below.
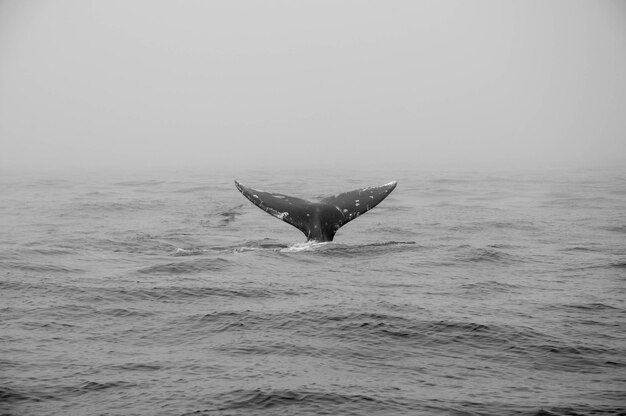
(358, 250)
(308, 246)
(369, 336)
(581, 410)
(367, 328)
(402, 232)
(258, 399)
(9, 395)
(490, 286)
(596, 265)
(591, 307)
(51, 325)
(125, 313)
(140, 183)
(28, 250)
(310, 322)
(325, 248)
(229, 215)
(16, 285)
(138, 243)
(317, 401)
(497, 225)
(616, 228)
(176, 294)
(188, 266)
(180, 252)
(487, 254)
(137, 367)
(251, 246)
(38, 267)
(581, 249)
(194, 189)
(89, 386)
(265, 244)
(90, 209)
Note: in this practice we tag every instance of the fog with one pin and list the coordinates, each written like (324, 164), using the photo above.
(311, 84)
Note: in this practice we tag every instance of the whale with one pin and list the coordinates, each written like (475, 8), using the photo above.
(318, 220)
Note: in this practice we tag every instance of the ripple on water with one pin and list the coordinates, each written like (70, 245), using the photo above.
(187, 266)
(304, 401)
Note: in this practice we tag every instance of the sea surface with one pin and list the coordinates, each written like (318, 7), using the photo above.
(168, 293)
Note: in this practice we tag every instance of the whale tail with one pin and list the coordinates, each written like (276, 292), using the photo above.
(319, 221)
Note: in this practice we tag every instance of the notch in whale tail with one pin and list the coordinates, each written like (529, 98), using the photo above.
(319, 221)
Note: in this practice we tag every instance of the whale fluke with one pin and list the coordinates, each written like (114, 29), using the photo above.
(319, 221)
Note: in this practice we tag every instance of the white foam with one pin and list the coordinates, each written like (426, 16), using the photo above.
(308, 246)
(188, 252)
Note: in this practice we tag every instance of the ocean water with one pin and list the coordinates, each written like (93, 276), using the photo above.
(170, 294)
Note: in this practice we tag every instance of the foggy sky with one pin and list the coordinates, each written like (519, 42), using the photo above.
(238, 84)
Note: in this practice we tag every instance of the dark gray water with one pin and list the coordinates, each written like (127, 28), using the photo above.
(170, 294)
